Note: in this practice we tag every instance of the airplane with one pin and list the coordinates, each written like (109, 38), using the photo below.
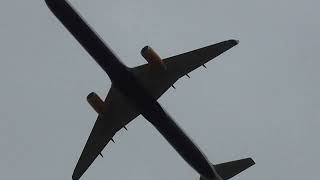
(135, 91)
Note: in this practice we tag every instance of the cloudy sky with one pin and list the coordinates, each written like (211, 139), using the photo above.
(260, 99)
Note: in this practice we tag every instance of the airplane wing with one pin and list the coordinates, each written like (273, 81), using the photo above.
(157, 81)
(119, 113)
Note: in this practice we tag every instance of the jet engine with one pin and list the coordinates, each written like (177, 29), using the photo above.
(152, 57)
(96, 103)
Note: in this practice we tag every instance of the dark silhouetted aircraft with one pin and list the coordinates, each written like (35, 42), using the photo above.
(135, 91)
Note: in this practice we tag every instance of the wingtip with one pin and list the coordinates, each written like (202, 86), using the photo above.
(252, 161)
(236, 41)
(233, 42)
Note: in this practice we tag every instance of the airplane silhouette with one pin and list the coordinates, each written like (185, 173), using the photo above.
(135, 91)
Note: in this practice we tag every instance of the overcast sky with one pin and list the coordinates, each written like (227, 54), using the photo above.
(260, 99)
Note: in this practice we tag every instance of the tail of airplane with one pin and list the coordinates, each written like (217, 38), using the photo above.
(229, 169)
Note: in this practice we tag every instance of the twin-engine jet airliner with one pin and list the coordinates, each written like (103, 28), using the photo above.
(135, 91)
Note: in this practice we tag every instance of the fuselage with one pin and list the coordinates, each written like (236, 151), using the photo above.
(126, 83)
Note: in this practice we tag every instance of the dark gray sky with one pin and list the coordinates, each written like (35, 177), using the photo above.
(260, 99)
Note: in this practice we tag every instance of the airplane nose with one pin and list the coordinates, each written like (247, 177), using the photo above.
(49, 1)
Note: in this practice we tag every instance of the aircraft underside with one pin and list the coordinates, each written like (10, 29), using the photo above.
(135, 91)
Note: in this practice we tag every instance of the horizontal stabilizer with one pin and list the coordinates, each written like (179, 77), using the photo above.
(229, 169)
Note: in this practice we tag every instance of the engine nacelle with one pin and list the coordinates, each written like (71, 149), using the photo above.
(152, 57)
(96, 103)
